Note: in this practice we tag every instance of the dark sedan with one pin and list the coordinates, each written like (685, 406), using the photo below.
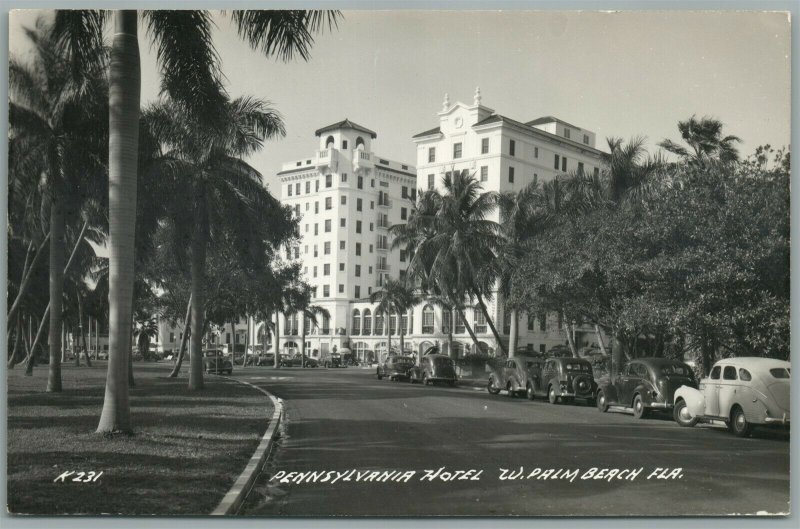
(395, 367)
(645, 384)
(434, 368)
(214, 361)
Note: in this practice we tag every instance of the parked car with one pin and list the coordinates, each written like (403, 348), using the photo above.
(434, 368)
(564, 379)
(333, 360)
(214, 361)
(742, 392)
(518, 374)
(396, 367)
(645, 384)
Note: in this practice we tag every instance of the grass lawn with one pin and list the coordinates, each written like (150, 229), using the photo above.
(186, 452)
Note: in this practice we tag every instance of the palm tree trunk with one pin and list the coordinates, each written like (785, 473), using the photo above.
(246, 339)
(600, 340)
(131, 381)
(56, 289)
(303, 344)
(570, 328)
(489, 321)
(123, 147)
(198, 268)
(39, 334)
(184, 338)
(513, 338)
(17, 340)
(276, 361)
(469, 330)
(79, 334)
(83, 340)
(26, 278)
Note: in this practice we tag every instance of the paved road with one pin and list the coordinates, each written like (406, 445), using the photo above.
(345, 419)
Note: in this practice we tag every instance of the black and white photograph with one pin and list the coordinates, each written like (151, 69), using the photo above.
(401, 263)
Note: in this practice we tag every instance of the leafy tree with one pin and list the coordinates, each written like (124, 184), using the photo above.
(705, 142)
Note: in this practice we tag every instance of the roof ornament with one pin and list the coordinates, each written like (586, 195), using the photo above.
(477, 100)
(446, 102)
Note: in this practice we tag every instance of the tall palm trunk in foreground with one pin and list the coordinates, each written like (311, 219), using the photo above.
(184, 337)
(56, 289)
(123, 146)
(514, 334)
(198, 297)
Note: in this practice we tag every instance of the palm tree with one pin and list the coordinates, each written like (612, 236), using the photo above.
(59, 114)
(145, 328)
(225, 194)
(191, 76)
(705, 142)
(395, 297)
(310, 313)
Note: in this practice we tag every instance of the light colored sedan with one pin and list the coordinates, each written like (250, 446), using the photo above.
(742, 392)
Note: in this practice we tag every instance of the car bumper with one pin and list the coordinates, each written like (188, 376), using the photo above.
(777, 420)
(661, 405)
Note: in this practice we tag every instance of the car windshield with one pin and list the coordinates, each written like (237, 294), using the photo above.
(780, 372)
(404, 359)
(676, 369)
(531, 363)
(578, 367)
(442, 361)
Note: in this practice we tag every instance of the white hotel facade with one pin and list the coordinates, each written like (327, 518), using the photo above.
(346, 197)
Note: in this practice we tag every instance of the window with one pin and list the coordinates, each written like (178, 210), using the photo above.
(715, 373)
(456, 150)
(308, 187)
(371, 204)
(371, 227)
(459, 326)
(378, 324)
(316, 185)
(430, 181)
(326, 269)
(358, 270)
(344, 144)
(427, 320)
(341, 288)
(404, 191)
(403, 213)
(542, 322)
(358, 226)
(327, 248)
(372, 182)
(342, 222)
(446, 321)
(357, 292)
(566, 133)
(370, 270)
(729, 373)
(560, 320)
(344, 177)
(484, 173)
(361, 182)
(329, 203)
(392, 324)
(536, 152)
(297, 189)
(402, 256)
(557, 161)
(580, 167)
(326, 291)
(328, 180)
(564, 164)
(326, 324)
(586, 139)
(308, 205)
(358, 248)
(289, 189)
(531, 321)
(315, 271)
(343, 200)
(316, 207)
(172, 337)
(341, 245)
(341, 267)
(480, 321)
(359, 204)
(512, 147)
(431, 154)
(511, 175)
(541, 348)
(316, 229)
(297, 252)
(367, 328)
(327, 225)
(404, 324)
(485, 146)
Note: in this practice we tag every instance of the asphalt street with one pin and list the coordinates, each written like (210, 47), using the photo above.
(368, 435)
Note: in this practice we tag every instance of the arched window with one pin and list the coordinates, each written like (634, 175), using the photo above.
(427, 320)
(359, 143)
(367, 322)
(378, 324)
(329, 142)
(392, 324)
(480, 321)
(460, 328)
(447, 321)
(356, 322)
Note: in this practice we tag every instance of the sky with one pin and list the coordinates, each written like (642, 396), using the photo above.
(618, 74)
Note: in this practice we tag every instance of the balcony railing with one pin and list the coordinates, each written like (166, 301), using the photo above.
(327, 159)
(383, 267)
(383, 223)
(362, 159)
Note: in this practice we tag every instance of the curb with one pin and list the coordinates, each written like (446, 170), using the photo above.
(232, 501)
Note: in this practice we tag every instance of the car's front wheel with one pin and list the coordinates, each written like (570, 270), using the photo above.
(681, 414)
(738, 423)
(639, 409)
(602, 404)
(492, 388)
(551, 395)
